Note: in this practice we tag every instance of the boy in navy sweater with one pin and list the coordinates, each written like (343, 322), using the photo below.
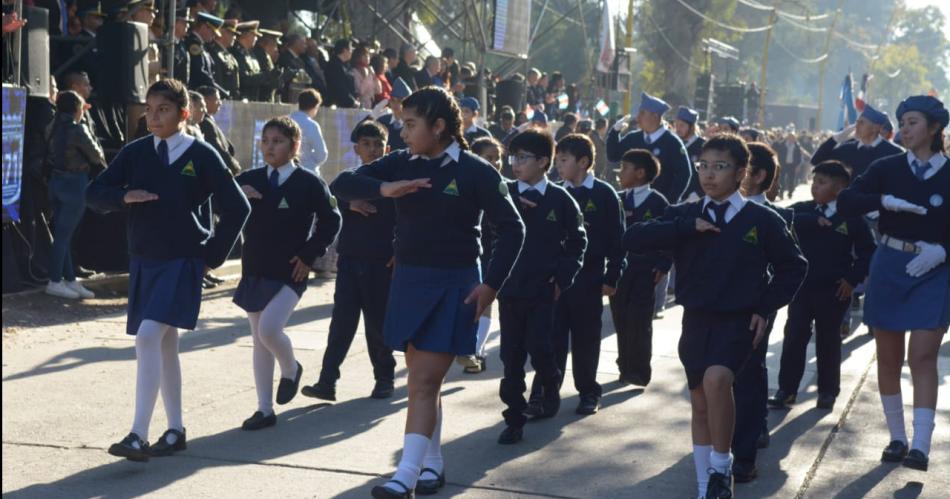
(723, 247)
(858, 145)
(162, 180)
(838, 250)
(555, 240)
(363, 276)
(632, 306)
(577, 316)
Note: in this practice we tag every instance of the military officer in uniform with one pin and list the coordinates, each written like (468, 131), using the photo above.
(226, 70)
(203, 31)
(267, 50)
(182, 58)
(251, 78)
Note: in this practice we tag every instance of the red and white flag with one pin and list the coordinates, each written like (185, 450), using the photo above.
(607, 48)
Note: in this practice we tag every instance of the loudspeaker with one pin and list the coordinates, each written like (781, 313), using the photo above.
(510, 93)
(729, 100)
(35, 50)
(123, 62)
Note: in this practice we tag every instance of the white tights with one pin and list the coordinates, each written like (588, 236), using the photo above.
(270, 342)
(156, 355)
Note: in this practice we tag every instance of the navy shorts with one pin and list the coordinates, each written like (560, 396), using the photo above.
(714, 339)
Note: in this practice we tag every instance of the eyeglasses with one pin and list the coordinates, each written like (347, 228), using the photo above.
(520, 158)
(718, 166)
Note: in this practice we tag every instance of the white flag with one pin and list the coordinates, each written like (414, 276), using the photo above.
(607, 48)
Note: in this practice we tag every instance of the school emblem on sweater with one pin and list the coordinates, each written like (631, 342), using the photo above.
(551, 216)
(936, 200)
(751, 237)
(189, 170)
(502, 188)
(452, 189)
(648, 215)
(283, 204)
(590, 206)
(842, 229)
(656, 151)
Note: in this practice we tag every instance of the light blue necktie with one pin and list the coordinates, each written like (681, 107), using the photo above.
(920, 169)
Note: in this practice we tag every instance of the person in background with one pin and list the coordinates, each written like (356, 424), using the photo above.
(378, 63)
(429, 74)
(406, 67)
(790, 158)
(340, 82)
(364, 78)
(313, 149)
(212, 134)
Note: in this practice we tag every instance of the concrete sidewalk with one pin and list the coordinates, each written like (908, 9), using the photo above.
(68, 388)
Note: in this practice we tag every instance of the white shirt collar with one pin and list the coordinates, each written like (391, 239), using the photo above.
(877, 140)
(472, 129)
(173, 141)
(656, 134)
(736, 202)
(937, 161)
(640, 194)
(831, 208)
(689, 141)
(588, 182)
(541, 186)
(452, 153)
(177, 144)
(300, 114)
(283, 172)
(758, 198)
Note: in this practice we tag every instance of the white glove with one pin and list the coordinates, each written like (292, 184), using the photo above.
(621, 123)
(892, 203)
(930, 256)
(844, 135)
(379, 109)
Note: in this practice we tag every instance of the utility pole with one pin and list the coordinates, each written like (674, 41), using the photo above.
(765, 65)
(824, 65)
(628, 42)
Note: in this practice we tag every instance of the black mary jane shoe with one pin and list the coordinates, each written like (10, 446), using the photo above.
(287, 389)
(162, 448)
(781, 399)
(511, 435)
(429, 486)
(383, 492)
(894, 452)
(132, 447)
(258, 421)
(916, 460)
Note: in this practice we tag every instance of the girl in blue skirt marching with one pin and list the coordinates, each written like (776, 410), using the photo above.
(277, 252)
(161, 180)
(437, 293)
(908, 287)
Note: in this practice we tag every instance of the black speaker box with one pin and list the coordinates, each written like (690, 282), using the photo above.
(123, 63)
(35, 63)
(510, 93)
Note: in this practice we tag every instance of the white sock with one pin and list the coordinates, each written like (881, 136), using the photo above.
(148, 360)
(923, 429)
(894, 415)
(270, 329)
(701, 461)
(433, 457)
(484, 324)
(263, 362)
(171, 381)
(413, 452)
(721, 462)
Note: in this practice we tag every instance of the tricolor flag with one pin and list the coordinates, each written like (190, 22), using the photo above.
(861, 98)
(562, 101)
(607, 48)
(848, 114)
(602, 107)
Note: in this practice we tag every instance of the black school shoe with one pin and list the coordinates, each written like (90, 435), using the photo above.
(258, 421)
(320, 390)
(213, 278)
(162, 448)
(764, 439)
(287, 389)
(429, 486)
(127, 448)
(382, 390)
(381, 492)
(782, 399)
(894, 452)
(588, 405)
(511, 435)
(534, 409)
(826, 402)
(744, 472)
(720, 486)
(916, 460)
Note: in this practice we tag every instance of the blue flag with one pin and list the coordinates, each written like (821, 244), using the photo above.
(848, 114)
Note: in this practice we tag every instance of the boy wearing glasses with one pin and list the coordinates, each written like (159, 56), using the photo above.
(553, 250)
(723, 248)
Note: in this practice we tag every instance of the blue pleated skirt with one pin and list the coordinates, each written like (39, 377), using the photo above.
(898, 302)
(253, 293)
(426, 308)
(166, 291)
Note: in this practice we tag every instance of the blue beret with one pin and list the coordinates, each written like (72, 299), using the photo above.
(401, 89)
(888, 126)
(729, 121)
(539, 117)
(873, 115)
(930, 106)
(686, 114)
(213, 20)
(653, 104)
(470, 102)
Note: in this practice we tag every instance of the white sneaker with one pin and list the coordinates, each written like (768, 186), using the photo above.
(80, 290)
(466, 360)
(59, 289)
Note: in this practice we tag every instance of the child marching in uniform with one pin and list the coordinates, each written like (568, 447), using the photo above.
(470, 107)
(722, 248)
(908, 285)
(839, 252)
(162, 180)
(363, 278)
(276, 256)
(858, 145)
(633, 304)
(436, 298)
(751, 388)
(394, 121)
(577, 316)
(491, 151)
(555, 240)
(687, 130)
